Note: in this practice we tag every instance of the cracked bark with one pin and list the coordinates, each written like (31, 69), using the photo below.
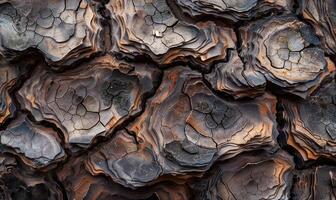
(167, 99)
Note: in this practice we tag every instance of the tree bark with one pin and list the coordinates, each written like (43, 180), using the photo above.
(167, 99)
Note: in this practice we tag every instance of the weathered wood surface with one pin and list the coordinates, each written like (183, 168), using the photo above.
(167, 99)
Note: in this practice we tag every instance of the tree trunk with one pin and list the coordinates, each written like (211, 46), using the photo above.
(167, 99)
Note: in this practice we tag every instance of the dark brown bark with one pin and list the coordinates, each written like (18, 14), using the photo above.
(167, 99)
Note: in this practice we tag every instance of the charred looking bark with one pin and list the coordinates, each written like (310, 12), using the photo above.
(167, 99)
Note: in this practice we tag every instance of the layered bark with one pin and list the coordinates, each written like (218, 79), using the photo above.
(167, 99)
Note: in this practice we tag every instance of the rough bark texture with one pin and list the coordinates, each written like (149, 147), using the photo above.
(167, 99)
